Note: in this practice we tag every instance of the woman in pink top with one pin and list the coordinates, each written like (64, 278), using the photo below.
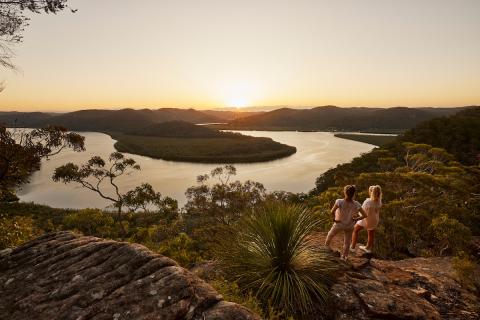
(372, 206)
(344, 214)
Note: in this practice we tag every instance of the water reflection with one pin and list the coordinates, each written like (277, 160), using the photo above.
(316, 152)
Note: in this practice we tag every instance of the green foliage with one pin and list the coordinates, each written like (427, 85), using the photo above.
(459, 134)
(467, 270)
(450, 234)
(14, 231)
(231, 292)
(181, 249)
(91, 222)
(94, 174)
(274, 255)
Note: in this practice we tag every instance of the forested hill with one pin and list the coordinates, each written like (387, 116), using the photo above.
(341, 119)
(124, 120)
(458, 134)
(321, 118)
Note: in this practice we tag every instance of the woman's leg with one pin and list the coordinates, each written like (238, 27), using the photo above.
(333, 231)
(356, 230)
(347, 240)
(371, 239)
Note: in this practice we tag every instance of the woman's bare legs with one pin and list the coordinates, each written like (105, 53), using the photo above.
(356, 230)
(371, 239)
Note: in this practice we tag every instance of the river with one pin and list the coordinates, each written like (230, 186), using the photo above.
(316, 153)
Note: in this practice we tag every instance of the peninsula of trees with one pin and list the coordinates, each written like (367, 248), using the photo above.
(183, 141)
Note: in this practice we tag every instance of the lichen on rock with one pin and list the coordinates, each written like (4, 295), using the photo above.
(67, 276)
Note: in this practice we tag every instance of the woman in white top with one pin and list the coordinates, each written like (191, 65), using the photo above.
(345, 214)
(372, 206)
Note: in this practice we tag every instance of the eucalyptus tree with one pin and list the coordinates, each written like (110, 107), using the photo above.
(101, 177)
(13, 21)
(21, 152)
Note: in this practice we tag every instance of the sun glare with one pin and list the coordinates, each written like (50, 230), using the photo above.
(237, 103)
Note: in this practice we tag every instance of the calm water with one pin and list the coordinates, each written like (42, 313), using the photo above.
(316, 152)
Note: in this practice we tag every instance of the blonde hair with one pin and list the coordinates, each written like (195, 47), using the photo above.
(375, 192)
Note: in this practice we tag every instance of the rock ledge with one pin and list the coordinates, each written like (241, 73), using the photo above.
(66, 276)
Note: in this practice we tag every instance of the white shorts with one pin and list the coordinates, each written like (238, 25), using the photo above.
(362, 224)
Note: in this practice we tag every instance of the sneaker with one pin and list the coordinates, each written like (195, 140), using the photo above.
(364, 248)
(352, 250)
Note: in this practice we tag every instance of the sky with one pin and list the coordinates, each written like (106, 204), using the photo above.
(225, 53)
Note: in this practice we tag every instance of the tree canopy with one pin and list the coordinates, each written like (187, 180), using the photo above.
(22, 150)
(13, 22)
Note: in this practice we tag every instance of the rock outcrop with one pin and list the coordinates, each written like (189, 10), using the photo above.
(66, 276)
(417, 288)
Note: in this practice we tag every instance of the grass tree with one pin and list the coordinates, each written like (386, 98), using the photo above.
(101, 177)
(275, 256)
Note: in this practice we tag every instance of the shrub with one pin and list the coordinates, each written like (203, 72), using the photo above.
(466, 270)
(14, 231)
(450, 234)
(92, 222)
(181, 249)
(275, 257)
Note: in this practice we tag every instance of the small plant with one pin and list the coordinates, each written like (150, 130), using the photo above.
(15, 230)
(466, 270)
(275, 256)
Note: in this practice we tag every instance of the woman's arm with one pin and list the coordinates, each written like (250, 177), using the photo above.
(364, 214)
(332, 212)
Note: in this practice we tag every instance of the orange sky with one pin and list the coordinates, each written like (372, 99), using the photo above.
(204, 54)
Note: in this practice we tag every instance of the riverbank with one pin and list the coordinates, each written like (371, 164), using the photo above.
(375, 139)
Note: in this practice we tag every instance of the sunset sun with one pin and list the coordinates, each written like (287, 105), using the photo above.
(238, 103)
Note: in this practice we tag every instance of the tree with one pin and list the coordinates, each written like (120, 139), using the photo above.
(21, 152)
(13, 22)
(226, 200)
(96, 174)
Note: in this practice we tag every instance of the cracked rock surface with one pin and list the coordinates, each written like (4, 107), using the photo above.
(66, 276)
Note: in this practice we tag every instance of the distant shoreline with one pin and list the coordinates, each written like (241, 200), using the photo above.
(299, 129)
(373, 139)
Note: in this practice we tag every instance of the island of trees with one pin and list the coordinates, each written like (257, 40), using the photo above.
(183, 141)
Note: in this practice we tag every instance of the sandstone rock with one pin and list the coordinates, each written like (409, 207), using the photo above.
(65, 276)
(418, 288)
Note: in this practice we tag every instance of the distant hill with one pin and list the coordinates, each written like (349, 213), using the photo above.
(341, 119)
(319, 118)
(125, 120)
(230, 115)
(22, 119)
(180, 129)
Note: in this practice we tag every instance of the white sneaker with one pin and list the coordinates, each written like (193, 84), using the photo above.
(352, 250)
(364, 248)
